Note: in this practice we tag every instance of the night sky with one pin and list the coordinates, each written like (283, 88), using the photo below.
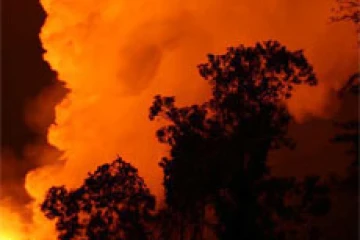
(25, 75)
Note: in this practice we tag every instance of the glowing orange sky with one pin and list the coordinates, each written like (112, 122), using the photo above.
(116, 55)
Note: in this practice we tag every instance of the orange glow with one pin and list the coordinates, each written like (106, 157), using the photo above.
(116, 55)
(11, 226)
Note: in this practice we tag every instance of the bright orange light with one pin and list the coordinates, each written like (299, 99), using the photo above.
(9, 236)
(5, 236)
(116, 55)
(11, 226)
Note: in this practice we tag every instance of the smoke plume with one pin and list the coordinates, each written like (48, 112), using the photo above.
(114, 56)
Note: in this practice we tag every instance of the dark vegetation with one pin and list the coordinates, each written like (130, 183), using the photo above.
(217, 181)
(112, 203)
(349, 131)
(219, 149)
(347, 10)
(216, 178)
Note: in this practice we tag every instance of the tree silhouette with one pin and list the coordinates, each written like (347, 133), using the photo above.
(347, 10)
(350, 131)
(219, 148)
(112, 203)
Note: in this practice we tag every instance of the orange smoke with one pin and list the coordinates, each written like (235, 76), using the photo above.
(114, 56)
(11, 225)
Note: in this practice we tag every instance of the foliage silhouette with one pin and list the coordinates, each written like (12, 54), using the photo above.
(351, 86)
(112, 203)
(350, 131)
(218, 160)
(219, 148)
(347, 10)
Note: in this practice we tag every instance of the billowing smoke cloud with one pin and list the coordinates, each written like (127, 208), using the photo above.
(114, 56)
(11, 224)
(11, 177)
(12, 196)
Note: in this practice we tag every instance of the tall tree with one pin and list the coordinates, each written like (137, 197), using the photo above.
(113, 203)
(219, 149)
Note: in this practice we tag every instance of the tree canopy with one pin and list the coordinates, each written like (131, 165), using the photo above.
(347, 10)
(112, 203)
(217, 161)
(219, 149)
(349, 130)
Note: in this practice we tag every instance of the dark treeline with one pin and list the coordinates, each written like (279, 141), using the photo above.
(217, 181)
